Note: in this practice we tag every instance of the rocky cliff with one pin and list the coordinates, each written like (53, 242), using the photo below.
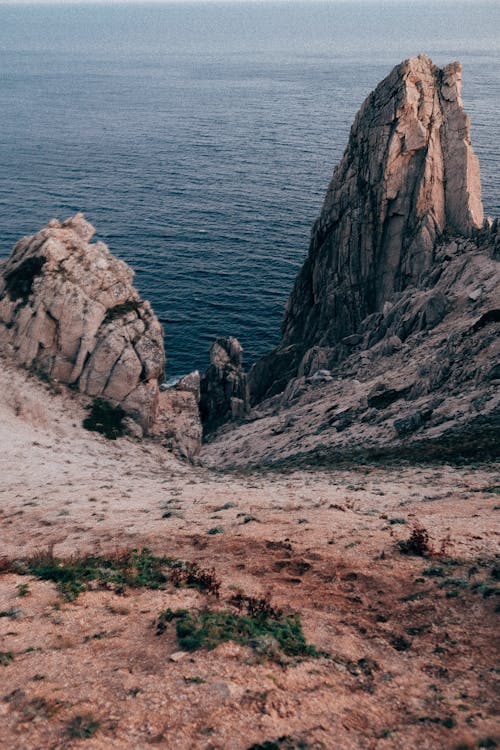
(390, 339)
(407, 177)
(69, 311)
(421, 380)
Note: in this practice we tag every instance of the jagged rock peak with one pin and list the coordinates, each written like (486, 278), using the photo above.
(224, 388)
(407, 176)
(68, 309)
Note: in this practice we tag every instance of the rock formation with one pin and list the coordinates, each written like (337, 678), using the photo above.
(178, 422)
(419, 380)
(224, 388)
(408, 176)
(390, 340)
(69, 311)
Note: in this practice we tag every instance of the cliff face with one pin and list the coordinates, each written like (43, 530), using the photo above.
(68, 310)
(390, 341)
(419, 380)
(408, 175)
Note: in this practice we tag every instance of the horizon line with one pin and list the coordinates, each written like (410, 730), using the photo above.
(238, 2)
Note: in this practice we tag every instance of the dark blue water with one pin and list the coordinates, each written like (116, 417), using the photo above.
(199, 139)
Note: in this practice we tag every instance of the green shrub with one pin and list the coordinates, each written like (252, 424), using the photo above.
(418, 543)
(105, 418)
(83, 726)
(208, 628)
(130, 568)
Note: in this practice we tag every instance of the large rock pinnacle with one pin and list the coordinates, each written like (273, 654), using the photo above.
(408, 175)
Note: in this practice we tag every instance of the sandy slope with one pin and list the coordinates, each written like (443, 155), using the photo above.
(321, 542)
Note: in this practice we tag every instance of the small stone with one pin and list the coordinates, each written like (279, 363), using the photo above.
(215, 530)
(178, 656)
(475, 294)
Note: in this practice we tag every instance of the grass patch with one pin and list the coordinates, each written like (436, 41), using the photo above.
(23, 589)
(5, 658)
(266, 635)
(41, 708)
(491, 490)
(486, 589)
(128, 569)
(82, 727)
(434, 571)
(105, 418)
(455, 582)
(487, 742)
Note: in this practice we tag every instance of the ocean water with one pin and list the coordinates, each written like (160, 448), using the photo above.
(199, 139)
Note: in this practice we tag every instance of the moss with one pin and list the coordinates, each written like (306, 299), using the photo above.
(106, 419)
(207, 629)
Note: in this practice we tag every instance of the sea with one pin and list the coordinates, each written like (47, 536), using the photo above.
(199, 138)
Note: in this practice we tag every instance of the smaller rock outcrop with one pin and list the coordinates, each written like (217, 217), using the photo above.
(224, 387)
(178, 422)
(69, 311)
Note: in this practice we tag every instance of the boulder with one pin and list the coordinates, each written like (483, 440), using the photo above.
(69, 311)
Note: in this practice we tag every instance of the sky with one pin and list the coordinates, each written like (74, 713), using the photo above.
(257, 2)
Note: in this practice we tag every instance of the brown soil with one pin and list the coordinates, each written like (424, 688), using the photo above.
(409, 658)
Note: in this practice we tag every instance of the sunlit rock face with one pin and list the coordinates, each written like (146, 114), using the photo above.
(408, 176)
(68, 309)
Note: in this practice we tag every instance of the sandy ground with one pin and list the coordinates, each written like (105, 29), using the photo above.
(409, 658)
